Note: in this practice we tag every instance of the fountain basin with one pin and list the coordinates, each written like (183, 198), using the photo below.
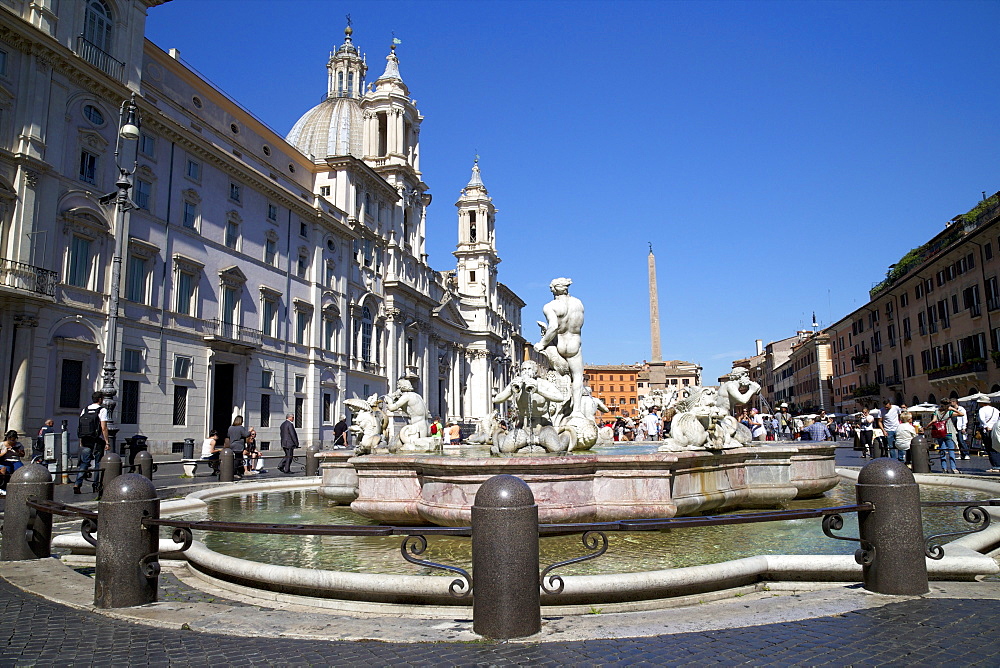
(420, 489)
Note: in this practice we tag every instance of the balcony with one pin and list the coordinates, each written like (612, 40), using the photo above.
(99, 58)
(233, 336)
(860, 360)
(869, 390)
(22, 276)
(893, 381)
(956, 371)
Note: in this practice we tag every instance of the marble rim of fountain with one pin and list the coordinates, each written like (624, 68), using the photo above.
(419, 489)
(963, 561)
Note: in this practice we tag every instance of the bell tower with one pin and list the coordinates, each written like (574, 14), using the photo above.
(346, 70)
(476, 251)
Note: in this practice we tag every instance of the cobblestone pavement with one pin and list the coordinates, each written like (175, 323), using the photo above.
(914, 632)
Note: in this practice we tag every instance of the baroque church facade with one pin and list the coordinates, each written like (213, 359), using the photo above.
(260, 275)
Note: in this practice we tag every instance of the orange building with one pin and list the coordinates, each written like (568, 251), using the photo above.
(615, 385)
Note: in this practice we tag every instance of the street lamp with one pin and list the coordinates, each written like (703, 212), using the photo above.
(129, 123)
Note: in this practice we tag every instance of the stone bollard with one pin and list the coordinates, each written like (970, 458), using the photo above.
(111, 467)
(123, 578)
(27, 533)
(227, 465)
(505, 600)
(894, 528)
(919, 458)
(312, 464)
(144, 464)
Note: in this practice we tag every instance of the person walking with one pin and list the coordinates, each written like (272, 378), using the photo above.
(651, 425)
(784, 420)
(890, 423)
(236, 439)
(946, 443)
(989, 418)
(289, 441)
(93, 434)
(866, 430)
(961, 424)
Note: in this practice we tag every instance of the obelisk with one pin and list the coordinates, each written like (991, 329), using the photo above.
(657, 368)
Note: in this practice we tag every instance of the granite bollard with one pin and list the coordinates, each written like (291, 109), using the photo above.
(227, 465)
(144, 464)
(27, 534)
(505, 599)
(312, 464)
(894, 528)
(122, 578)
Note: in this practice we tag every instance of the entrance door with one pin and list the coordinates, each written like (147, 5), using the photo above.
(222, 398)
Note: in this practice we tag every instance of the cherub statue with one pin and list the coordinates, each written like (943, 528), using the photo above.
(366, 425)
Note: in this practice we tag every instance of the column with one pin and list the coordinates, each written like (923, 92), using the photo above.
(21, 364)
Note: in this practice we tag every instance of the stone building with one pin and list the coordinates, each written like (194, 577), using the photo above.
(615, 385)
(260, 274)
(931, 329)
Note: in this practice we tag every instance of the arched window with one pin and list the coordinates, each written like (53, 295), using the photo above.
(350, 84)
(98, 23)
(366, 334)
(340, 84)
(931, 399)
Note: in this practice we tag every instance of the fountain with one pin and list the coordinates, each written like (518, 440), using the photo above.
(710, 463)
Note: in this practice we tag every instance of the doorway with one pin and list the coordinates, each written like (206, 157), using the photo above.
(222, 398)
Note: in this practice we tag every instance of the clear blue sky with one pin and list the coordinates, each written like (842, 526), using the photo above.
(778, 155)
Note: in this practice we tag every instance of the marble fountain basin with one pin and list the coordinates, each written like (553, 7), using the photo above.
(440, 489)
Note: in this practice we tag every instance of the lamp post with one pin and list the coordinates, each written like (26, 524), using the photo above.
(128, 129)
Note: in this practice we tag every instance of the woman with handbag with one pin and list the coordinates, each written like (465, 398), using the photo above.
(943, 429)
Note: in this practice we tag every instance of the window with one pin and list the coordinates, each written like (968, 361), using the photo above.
(366, 334)
(235, 192)
(988, 250)
(904, 299)
(143, 191)
(182, 366)
(327, 404)
(193, 170)
(232, 234)
(907, 335)
(919, 291)
(303, 230)
(272, 212)
(186, 286)
(992, 294)
(230, 305)
(136, 280)
(329, 334)
(132, 360)
(93, 114)
(302, 266)
(271, 252)
(180, 405)
(130, 402)
(147, 145)
(302, 327)
(472, 277)
(80, 261)
(190, 215)
(300, 403)
(70, 383)
(269, 318)
(88, 167)
(300, 383)
(929, 286)
(97, 24)
(324, 191)
(265, 410)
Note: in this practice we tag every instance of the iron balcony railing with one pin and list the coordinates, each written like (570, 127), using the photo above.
(860, 360)
(973, 366)
(27, 277)
(233, 332)
(100, 58)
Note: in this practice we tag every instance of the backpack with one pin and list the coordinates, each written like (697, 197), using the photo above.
(939, 429)
(434, 428)
(90, 423)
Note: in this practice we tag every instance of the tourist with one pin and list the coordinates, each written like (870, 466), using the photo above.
(437, 429)
(289, 441)
(11, 452)
(454, 434)
(946, 443)
(236, 440)
(93, 434)
(784, 421)
(252, 462)
(866, 431)
(340, 433)
(757, 430)
(651, 425)
(210, 446)
(817, 431)
(989, 418)
(961, 424)
(905, 433)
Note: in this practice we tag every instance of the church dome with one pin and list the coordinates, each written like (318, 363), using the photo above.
(332, 127)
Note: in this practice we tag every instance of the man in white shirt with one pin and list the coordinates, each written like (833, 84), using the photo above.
(961, 422)
(651, 423)
(989, 418)
(890, 423)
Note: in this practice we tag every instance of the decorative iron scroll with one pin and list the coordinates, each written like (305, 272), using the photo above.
(150, 565)
(974, 515)
(865, 555)
(183, 537)
(590, 540)
(87, 528)
(459, 588)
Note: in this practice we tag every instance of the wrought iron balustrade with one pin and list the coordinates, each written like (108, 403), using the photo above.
(27, 277)
(232, 332)
(969, 367)
(100, 58)
(860, 360)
